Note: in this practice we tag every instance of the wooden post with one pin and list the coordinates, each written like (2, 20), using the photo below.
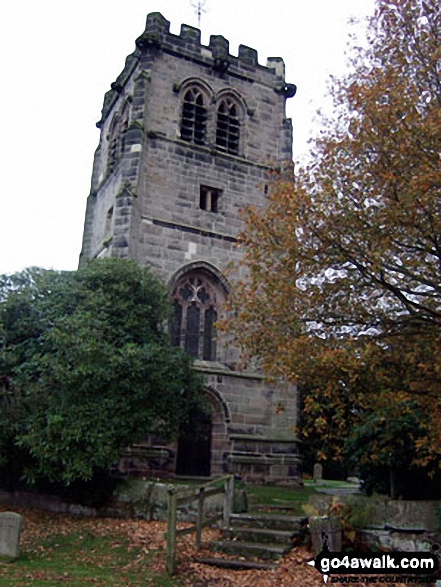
(228, 500)
(170, 563)
(200, 517)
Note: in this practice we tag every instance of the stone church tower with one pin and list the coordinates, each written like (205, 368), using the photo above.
(189, 134)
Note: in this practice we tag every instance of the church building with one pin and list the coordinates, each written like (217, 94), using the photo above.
(189, 136)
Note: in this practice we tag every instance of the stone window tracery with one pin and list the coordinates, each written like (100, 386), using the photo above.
(228, 126)
(195, 304)
(194, 117)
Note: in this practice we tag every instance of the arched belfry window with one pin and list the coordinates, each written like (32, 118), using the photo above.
(124, 125)
(112, 153)
(228, 126)
(195, 312)
(117, 136)
(194, 117)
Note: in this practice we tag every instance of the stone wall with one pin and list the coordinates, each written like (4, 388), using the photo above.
(134, 498)
(400, 525)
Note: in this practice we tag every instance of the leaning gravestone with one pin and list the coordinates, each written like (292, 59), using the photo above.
(10, 529)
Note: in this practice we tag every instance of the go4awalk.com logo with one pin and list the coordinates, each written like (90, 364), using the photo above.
(406, 567)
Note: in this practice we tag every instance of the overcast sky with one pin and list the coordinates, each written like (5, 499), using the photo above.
(59, 57)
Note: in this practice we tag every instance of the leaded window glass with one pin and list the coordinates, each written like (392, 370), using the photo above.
(175, 326)
(194, 117)
(227, 128)
(192, 330)
(209, 349)
(195, 314)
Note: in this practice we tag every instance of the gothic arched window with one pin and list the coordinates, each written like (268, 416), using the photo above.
(227, 127)
(124, 125)
(117, 136)
(195, 306)
(194, 117)
(112, 153)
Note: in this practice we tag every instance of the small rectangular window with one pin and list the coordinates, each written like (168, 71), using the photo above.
(209, 198)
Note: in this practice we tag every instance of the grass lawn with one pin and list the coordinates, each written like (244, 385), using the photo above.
(328, 484)
(291, 497)
(60, 550)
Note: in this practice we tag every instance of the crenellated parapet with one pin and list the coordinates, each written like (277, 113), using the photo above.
(157, 36)
(215, 57)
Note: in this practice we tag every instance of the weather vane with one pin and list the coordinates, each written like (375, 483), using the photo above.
(199, 9)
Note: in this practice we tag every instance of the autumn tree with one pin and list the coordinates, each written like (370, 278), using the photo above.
(344, 264)
(86, 369)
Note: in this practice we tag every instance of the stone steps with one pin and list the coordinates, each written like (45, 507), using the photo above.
(265, 535)
(237, 564)
(285, 507)
(255, 538)
(268, 521)
(262, 551)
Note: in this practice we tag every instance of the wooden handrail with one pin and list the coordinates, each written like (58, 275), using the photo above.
(199, 494)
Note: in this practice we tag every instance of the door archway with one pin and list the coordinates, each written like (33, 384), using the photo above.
(194, 445)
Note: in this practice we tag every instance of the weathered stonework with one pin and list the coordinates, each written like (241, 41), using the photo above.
(147, 202)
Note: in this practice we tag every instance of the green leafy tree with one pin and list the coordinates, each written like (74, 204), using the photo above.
(381, 448)
(343, 291)
(86, 369)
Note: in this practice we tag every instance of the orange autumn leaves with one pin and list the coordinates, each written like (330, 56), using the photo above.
(343, 290)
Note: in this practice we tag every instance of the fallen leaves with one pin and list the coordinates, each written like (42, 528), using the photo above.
(144, 538)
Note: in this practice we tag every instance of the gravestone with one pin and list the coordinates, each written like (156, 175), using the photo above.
(10, 529)
(325, 533)
(318, 472)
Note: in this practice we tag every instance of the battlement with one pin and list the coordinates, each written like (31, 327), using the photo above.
(157, 33)
(157, 39)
